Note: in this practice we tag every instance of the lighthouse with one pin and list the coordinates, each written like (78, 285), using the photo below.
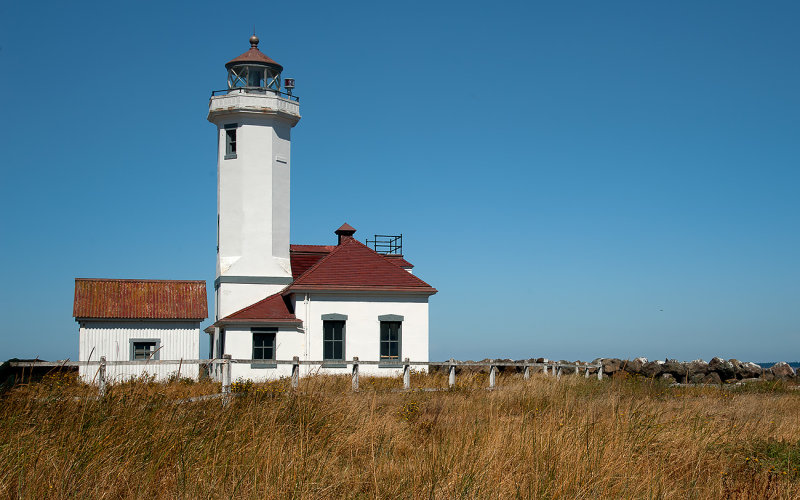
(254, 116)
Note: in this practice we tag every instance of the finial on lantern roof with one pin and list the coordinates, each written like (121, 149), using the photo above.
(254, 41)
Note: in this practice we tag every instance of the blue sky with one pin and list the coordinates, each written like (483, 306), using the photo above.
(578, 179)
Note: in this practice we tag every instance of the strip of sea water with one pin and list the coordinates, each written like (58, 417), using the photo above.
(768, 364)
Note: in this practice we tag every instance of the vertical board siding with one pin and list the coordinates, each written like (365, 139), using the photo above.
(179, 340)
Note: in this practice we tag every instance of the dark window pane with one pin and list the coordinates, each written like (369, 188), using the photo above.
(143, 350)
(230, 143)
(328, 348)
(263, 345)
(337, 350)
(384, 331)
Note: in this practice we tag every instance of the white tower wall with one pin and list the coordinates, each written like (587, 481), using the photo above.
(252, 197)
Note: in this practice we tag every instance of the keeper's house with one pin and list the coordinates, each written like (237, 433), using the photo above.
(139, 320)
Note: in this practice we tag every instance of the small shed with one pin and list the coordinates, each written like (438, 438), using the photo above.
(142, 321)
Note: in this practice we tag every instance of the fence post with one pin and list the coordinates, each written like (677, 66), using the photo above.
(586, 367)
(527, 373)
(491, 376)
(407, 375)
(558, 373)
(452, 377)
(546, 369)
(600, 370)
(101, 376)
(355, 373)
(295, 372)
(226, 374)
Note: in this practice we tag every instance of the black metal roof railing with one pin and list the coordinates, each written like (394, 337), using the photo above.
(387, 244)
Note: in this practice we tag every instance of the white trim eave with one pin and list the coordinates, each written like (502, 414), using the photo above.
(254, 324)
(159, 320)
(365, 291)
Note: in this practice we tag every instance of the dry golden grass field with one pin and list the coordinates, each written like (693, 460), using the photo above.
(537, 438)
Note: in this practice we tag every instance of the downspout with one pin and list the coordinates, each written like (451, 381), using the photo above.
(307, 302)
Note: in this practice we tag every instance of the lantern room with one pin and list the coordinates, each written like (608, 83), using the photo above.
(253, 70)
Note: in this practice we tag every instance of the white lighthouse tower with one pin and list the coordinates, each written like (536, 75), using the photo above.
(254, 117)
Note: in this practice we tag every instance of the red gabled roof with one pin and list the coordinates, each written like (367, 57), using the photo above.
(273, 309)
(354, 266)
(302, 257)
(139, 299)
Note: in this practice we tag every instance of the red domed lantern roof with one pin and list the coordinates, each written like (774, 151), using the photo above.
(254, 56)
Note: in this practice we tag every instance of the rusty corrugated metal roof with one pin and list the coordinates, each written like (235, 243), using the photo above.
(140, 299)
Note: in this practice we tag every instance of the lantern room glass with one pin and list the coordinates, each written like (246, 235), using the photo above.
(253, 77)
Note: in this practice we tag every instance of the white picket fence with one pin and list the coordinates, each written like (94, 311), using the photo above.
(550, 368)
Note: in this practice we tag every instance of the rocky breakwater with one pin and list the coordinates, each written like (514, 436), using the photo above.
(716, 371)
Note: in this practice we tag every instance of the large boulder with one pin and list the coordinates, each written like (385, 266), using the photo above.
(674, 368)
(782, 370)
(506, 369)
(635, 365)
(737, 367)
(652, 369)
(748, 370)
(697, 367)
(667, 377)
(611, 365)
(712, 378)
(722, 368)
(697, 378)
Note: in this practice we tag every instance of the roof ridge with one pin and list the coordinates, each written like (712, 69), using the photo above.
(320, 261)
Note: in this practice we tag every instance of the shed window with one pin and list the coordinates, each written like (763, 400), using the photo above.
(143, 350)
